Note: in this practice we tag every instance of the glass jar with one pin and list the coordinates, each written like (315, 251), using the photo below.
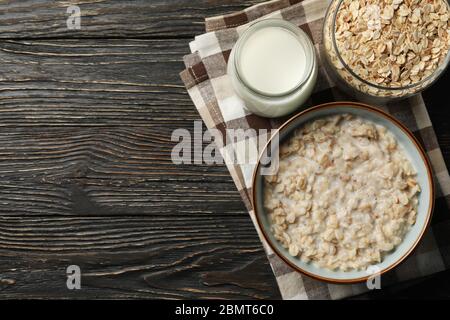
(352, 83)
(280, 89)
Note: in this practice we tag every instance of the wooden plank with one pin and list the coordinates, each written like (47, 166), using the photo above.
(133, 154)
(112, 18)
(87, 179)
(93, 83)
(122, 100)
(119, 197)
(132, 257)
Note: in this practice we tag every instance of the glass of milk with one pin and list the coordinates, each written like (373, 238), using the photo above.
(273, 68)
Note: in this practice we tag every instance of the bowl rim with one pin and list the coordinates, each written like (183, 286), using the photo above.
(405, 130)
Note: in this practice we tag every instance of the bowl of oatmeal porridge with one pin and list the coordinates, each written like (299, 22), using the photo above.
(348, 192)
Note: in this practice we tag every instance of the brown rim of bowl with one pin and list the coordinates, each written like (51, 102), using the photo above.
(418, 147)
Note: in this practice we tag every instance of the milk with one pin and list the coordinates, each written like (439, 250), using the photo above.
(272, 69)
(273, 61)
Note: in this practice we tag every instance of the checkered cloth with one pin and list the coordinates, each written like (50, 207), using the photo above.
(210, 89)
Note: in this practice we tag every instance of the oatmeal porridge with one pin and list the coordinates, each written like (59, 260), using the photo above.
(345, 193)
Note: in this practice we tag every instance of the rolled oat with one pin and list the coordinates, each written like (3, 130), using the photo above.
(345, 193)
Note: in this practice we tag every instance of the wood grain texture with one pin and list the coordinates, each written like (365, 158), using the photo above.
(85, 167)
(133, 257)
(112, 18)
(94, 83)
(87, 179)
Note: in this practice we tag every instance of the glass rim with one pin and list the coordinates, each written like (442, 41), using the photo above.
(434, 75)
(299, 34)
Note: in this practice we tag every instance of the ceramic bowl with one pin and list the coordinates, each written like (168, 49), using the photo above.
(413, 151)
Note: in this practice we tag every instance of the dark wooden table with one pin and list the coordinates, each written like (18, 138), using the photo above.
(86, 118)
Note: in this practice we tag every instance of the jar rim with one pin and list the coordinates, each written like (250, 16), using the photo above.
(299, 34)
(437, 72)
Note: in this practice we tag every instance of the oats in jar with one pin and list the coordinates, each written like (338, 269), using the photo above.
(388, 44)
(345, 193)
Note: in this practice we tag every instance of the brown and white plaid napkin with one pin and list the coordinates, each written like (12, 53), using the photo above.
(209, 87)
